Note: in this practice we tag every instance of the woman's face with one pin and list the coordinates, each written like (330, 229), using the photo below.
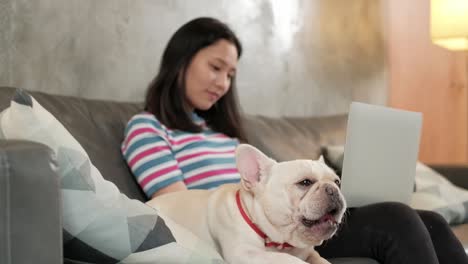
(209, 74)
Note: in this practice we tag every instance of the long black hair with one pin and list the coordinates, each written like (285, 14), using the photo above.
(165, 96)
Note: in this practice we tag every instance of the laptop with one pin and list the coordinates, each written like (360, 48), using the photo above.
(380, 155)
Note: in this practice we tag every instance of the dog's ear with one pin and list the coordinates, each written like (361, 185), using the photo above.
(252, 164)
(321, 159)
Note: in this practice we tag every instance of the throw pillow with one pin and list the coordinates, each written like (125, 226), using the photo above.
(432, 190)
(100, 224)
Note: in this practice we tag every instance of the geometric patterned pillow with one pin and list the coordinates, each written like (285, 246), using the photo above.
(100, 224)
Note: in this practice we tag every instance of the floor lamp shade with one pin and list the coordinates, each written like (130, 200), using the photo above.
(449, 24)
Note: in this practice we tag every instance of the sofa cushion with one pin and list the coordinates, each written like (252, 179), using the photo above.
(100, 225)
(290, 138)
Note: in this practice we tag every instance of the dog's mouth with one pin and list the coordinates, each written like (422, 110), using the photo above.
(328, 217)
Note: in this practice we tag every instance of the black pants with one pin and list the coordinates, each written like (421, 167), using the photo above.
(393, 233)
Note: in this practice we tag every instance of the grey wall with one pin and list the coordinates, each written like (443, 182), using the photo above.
(302, 57)
(5, 41)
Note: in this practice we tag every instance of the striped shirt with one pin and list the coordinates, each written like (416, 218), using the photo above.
(159, 156)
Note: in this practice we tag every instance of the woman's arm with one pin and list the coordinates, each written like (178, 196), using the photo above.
(148, 152)
(176, 186)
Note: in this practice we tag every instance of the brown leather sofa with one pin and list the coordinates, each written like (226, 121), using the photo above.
(30, 218)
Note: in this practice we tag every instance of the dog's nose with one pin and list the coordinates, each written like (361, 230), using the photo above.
(329, 190)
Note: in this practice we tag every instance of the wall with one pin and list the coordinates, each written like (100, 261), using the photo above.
(426, 78)
(5, 42)
(302, 57)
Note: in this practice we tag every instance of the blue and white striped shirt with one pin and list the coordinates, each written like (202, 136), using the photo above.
(159, 156)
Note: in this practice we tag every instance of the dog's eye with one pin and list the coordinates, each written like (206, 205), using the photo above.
(305, 182)
(338, 183)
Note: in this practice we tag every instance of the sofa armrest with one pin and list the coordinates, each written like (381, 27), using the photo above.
(30, 204)
(457, 174)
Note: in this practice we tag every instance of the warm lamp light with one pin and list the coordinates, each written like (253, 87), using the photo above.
(449, 23)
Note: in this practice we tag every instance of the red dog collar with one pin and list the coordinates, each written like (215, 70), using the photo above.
(268, 242)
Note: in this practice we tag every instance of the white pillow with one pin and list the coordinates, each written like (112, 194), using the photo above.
(100, 224)
(434, 192)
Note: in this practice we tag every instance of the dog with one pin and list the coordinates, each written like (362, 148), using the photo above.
(277, 213)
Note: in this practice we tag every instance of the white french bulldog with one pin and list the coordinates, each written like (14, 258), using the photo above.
(277, 214)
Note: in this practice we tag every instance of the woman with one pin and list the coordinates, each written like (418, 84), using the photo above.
(187, 135)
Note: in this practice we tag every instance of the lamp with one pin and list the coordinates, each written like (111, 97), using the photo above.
(449, 24)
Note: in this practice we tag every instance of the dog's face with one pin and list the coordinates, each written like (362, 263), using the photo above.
(300, 198)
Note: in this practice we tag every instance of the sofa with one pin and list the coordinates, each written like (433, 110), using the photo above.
(30, 198)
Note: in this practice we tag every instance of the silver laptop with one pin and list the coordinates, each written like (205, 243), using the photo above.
(380, 154)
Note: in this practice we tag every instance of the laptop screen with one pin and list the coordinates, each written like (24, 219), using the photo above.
(381, 152)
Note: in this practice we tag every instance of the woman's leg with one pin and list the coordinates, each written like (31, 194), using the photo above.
(391, 233)
(448, 248)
